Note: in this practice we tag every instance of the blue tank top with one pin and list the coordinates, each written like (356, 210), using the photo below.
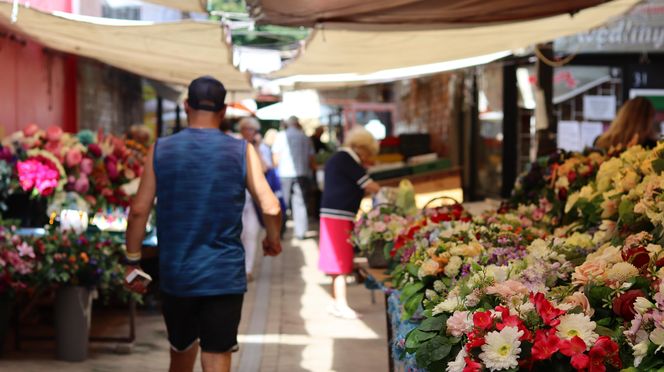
(200, 197)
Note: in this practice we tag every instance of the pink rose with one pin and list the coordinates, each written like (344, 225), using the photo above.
(507, 289)
(578, 299)
(54, 133)
(459, 324)
(82, 184)
(588, 271)
(112, 168)
(379, 227)
(30, 130)
(73, 157)
(86, 166)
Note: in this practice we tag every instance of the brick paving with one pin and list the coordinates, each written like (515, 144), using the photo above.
(285, 328)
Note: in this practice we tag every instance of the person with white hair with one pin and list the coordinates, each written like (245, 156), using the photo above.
(346, 183)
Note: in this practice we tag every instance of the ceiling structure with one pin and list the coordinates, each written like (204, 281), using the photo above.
(452, 12)
(343, 48)
(175, 52)
(196, 6)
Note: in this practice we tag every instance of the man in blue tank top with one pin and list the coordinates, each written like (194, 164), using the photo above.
(199, 177)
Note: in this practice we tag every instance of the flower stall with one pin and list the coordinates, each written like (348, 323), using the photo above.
(567, 275)
(60, 196)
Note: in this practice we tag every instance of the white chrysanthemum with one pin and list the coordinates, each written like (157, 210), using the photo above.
(438, 286)
(453, 266)
(577, 325)
(622, 272)
(459, 363)
(539, 249)
(501, 350)
(447, 306)
(430, 294)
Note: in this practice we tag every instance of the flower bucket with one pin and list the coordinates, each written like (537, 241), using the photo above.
(376, 257)
(73, 307)
(5, 317)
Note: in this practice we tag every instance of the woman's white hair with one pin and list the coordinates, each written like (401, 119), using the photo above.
(360, 137)
(248, 122)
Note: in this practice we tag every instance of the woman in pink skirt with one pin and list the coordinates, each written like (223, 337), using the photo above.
(346, 182)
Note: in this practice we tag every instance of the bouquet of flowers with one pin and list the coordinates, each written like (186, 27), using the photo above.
(382, 224)
(103, 169)
(537, 334)
(81, 260)
(18, 261)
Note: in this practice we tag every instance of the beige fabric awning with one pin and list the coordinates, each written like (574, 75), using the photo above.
(310, 12)
(170, 52)
(352, 48)
(198, 6)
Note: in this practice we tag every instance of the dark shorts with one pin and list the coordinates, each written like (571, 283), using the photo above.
(213, 320)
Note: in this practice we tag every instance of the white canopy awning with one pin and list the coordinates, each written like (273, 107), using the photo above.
(337, 48)
(199, 6)
(170, 52)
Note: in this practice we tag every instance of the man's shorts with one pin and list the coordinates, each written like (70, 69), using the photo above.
(213, 320)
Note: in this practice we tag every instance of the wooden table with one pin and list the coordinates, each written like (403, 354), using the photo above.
(380, 276)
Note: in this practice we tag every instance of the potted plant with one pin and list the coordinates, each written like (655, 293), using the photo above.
(77, 265)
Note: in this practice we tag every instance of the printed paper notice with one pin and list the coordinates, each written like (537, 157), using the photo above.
(599, 107)
(569, 136)
(589, 132)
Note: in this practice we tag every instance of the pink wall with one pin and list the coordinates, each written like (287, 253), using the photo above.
(36, 85)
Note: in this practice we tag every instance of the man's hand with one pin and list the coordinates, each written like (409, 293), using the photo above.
(271, 247)
(136, 285)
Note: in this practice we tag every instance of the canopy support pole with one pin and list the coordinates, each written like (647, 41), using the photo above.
(510, 125)
(546, 137)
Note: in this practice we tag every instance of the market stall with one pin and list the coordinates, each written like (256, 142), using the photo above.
(567, 273)
(64, 201)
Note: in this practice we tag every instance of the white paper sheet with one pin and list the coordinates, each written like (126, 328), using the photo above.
(569, 136)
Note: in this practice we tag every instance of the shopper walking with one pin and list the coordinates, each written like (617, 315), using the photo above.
(251, 225)
(199, 176)
(634, 125)
(293, 156)
(346, 182)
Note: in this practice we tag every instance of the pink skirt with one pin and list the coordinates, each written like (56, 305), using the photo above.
(336, 252)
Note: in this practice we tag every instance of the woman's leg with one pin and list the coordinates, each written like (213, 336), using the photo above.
(250, 230)
(340, 297)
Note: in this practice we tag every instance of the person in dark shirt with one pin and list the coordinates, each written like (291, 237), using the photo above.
(319, 145)
(200, 176)
(346, 183)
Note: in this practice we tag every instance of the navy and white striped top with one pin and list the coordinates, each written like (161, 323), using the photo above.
(200, 197)
(345, 180)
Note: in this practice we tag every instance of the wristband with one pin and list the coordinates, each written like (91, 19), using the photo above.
(132, 258)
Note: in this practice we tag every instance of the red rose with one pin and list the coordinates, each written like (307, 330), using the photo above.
(95, 150)
(623, 305)
(636, 256)
(482, 320)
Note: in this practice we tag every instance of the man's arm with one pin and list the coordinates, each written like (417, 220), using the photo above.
(139, 213)
(268, 202)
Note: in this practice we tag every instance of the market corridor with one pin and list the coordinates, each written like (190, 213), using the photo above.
(285, 328)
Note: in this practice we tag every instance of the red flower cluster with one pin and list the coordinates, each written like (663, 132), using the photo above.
(544, 341)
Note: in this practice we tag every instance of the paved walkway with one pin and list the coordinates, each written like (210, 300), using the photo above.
(285, 328)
